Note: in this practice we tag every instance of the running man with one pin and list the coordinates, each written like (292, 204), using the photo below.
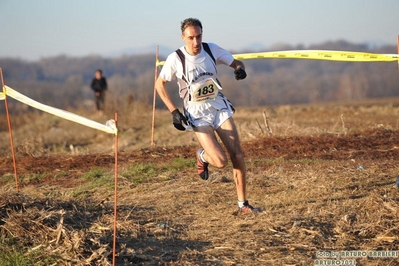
(206, 109)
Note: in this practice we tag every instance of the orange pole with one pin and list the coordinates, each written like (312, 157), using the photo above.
(14, 161)
(155, 96)
(115, 192)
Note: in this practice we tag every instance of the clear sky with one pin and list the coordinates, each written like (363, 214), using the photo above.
(34, 29)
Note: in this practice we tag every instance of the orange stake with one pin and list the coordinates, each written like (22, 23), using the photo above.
(115, 192)
(10, 131)
(154, 99)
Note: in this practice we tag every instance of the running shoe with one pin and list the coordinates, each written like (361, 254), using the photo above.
(202, 167)
(248, 209)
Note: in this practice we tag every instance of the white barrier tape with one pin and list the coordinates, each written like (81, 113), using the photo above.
(109, 128)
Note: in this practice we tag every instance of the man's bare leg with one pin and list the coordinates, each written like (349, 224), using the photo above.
(229, 135)
(215, 155)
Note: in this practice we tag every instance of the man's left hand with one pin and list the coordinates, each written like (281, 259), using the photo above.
(240, 73)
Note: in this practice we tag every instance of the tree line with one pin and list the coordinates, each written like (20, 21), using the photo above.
(63, 81)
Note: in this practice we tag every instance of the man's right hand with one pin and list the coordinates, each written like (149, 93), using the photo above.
(179, 120)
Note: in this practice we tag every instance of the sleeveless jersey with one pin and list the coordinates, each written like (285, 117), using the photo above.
(194, 68)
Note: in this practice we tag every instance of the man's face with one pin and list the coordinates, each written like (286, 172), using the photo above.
(192, 36)
(98, 75)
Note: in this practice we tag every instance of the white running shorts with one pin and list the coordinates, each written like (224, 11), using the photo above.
(209, 114)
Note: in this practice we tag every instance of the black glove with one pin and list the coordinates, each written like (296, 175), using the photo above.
(240, 73)
(179, 120)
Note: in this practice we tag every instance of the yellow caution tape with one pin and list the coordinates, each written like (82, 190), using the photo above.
(2, 96)
(316, 55)
(159, 63)
(322, 55)
(109, 128)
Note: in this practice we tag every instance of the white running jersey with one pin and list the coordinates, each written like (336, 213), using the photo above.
(198, 68)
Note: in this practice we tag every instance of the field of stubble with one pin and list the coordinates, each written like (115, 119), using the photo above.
(323, 174)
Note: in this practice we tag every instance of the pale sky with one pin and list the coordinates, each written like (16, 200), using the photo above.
(34, 29)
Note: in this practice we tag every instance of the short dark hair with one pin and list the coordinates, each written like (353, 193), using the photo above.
(99, 70)
(190, 22)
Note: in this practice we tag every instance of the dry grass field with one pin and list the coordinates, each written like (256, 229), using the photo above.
(324, 175)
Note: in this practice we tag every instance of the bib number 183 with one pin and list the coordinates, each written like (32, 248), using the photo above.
(205, 90)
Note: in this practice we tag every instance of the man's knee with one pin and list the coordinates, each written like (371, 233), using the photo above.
(220, 162)
(237, 157)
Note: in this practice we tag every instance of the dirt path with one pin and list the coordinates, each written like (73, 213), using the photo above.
(372, 144)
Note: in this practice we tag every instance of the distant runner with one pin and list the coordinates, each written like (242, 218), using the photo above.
(99, 86)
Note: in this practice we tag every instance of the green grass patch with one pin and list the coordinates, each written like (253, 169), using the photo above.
(8, 177)
(98, 178)
(14, 258)
(18, 258)
(179, 164)
(95, 174)
(34, 177)
(139, 173)
(13, 255)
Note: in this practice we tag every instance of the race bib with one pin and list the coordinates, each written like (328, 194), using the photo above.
(204, 90)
